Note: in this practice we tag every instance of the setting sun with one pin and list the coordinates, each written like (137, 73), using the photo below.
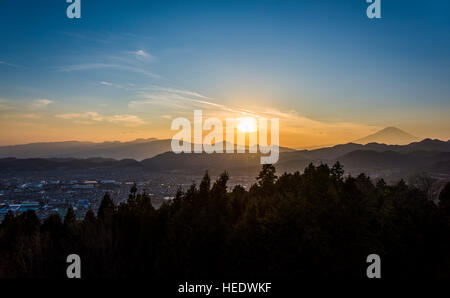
(247, 125)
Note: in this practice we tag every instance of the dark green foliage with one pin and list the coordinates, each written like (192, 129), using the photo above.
(70, 220)
(315, 224)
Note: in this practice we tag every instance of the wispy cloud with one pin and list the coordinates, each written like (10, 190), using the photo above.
(91, 117)
(86, 66)
(179, 91)
(19, 117)
(183, 99)
(118, 86)
(92, 66)
(35, 104)
(40, 103)
(142, 55)
(94, 116)
(5, 105)
(130, 61)
(9, 64)
(96, 37)
(32, 116)
(84, 122)
(127, 120)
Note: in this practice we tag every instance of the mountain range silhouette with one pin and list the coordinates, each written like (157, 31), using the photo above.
(141, 149)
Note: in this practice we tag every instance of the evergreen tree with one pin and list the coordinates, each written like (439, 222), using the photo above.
(70, 220)
(106, 210)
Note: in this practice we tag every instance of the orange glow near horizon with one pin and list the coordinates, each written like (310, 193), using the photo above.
(247, 125)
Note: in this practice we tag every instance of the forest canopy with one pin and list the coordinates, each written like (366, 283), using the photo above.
(316, 224)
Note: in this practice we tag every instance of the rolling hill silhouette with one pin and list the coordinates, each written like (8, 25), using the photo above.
(138, 149)
(141, 149)
(395, 161)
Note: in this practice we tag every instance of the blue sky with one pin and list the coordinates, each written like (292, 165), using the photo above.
(127, 67)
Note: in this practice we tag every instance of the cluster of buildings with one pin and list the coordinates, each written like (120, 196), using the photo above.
(47, 192)
(55, 191)
(18, 208)
(47, 197)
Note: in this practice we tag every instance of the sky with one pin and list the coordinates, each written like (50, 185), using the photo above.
(126, 69)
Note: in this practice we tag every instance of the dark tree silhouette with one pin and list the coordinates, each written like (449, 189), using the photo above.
(316, 224)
